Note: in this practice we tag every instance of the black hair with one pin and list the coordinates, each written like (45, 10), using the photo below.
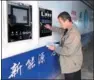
(65, 16)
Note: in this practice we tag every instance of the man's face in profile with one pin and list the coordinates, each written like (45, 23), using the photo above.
(63, 23)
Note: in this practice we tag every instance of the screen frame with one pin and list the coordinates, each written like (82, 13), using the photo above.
(45, 34)
(23, 8)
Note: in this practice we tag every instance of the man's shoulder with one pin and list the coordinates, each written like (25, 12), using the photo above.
(76, 29)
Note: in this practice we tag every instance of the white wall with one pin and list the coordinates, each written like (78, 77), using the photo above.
(14, 48)
(78, 6)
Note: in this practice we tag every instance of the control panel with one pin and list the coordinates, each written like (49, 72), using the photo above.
(19, 21)
(45, 17)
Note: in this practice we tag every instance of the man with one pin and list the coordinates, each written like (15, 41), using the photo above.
(70, 49)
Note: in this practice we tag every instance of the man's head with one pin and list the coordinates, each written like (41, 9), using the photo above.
(65, 20)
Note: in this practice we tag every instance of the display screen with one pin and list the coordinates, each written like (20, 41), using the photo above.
(21, 15)
(19, 22)
(45, 17)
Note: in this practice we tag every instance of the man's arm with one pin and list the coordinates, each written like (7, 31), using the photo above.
(58, 30)
(54, 29)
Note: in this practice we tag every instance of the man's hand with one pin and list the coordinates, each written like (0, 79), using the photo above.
(47, 26)
(51, 47)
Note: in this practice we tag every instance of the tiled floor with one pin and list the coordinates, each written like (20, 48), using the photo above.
(87, 69)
